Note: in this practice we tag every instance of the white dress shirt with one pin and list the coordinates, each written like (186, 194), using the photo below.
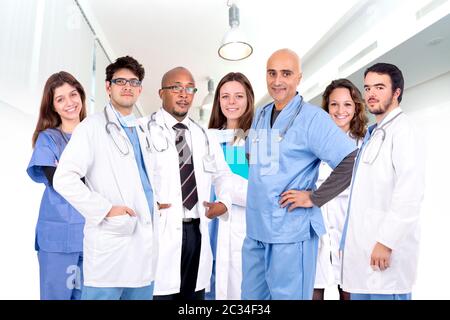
(170, 122)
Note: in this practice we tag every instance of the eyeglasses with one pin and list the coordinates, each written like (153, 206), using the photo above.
(121, 82)
(179, 89)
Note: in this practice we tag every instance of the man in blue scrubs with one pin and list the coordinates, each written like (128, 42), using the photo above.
(288, 140)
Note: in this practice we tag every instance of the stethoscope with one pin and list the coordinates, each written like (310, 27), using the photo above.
(285, 130)
(379, 131)
(153, 123)
(108, 125)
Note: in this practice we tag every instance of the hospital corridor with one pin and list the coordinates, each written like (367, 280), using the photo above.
(210, 126)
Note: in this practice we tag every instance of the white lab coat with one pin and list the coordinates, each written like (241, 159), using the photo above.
(384, 207)
(328, 270)
(168, 190)
(118, 251)
(230, 238)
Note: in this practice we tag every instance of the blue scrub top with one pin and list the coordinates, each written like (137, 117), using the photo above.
(59, 227)
(134, 139)
(129, 124)
(293, 163)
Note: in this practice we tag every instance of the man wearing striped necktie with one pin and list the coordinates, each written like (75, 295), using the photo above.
(192, 162)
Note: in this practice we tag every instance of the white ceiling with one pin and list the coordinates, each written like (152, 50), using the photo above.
(421, 58)
(163, 34)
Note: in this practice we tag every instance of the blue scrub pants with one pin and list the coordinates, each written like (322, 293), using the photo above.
(279, 271)
(61, 275)
(359, 296)
(96, 293)
(211, 295)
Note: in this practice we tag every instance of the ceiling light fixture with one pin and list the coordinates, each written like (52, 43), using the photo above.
(204, 111)
(234, 44)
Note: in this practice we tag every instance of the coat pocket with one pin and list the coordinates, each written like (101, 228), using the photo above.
(123, 225)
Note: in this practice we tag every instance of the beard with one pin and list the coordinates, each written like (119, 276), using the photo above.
(180, 114)
(382, 107)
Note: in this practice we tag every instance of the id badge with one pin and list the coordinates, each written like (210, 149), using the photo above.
(209, 163)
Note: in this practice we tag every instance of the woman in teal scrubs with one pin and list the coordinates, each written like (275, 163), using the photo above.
(59, 230)
(232, 115)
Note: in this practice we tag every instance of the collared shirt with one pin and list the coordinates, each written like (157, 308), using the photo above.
(170, 121)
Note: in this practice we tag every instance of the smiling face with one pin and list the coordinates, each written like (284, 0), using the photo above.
(67, 102)
(233, 101)
(177, 103)
(124, 97)
(341, 108)
(283, 76)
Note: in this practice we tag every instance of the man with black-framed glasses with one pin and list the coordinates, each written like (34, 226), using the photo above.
(108, 149)
(184, 173)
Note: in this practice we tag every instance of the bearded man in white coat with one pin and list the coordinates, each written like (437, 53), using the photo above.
(381, 235)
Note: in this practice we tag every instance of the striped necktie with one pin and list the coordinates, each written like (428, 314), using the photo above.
(187, 176)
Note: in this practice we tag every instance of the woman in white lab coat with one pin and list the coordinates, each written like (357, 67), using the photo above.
(232, 115)
(343, 101)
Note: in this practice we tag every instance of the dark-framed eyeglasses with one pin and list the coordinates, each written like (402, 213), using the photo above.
(121, 82)
(179, 89)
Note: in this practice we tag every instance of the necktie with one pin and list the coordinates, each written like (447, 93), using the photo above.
(187, 176)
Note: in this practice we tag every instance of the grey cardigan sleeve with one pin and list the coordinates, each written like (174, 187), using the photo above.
(338, 181)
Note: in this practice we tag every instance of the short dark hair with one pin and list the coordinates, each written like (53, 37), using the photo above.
(393, 72)
(126, 62)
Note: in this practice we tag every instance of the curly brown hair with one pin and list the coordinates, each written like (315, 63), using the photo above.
(358, 125)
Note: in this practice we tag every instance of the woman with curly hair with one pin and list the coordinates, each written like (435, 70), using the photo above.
(343, 101)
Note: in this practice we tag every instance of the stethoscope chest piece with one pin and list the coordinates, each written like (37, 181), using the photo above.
(209, 163)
